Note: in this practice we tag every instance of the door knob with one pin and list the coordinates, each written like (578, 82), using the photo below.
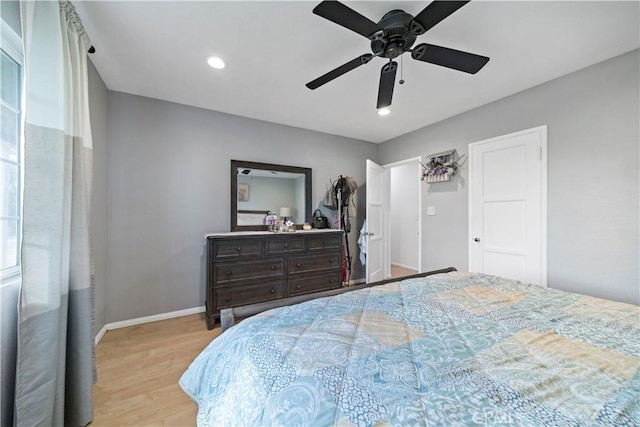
(476, 239)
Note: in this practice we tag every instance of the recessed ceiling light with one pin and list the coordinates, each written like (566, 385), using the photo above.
(216, 62)
(384, 112)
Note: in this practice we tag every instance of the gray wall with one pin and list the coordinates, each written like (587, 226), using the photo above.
(98, 101)
(593, 176)
(168, 175)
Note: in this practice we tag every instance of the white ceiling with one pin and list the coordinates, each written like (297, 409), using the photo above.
(159, 49)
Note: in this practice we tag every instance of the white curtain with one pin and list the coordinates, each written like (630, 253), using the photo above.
(56, 361)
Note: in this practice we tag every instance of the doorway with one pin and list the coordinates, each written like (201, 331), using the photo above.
(404, 217)
(394, 243)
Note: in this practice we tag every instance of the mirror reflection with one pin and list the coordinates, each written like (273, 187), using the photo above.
(260, 189)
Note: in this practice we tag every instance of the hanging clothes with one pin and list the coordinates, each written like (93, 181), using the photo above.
(343, 190)
(347, 187)
(362, 243)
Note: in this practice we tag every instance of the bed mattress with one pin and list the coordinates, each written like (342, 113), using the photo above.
(443, 350)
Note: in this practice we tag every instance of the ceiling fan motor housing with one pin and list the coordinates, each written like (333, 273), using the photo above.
(396, 35)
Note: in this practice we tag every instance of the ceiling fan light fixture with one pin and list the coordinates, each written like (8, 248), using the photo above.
(216, 62)
(384, 112)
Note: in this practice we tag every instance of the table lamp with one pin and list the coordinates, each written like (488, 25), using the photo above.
(285, 212)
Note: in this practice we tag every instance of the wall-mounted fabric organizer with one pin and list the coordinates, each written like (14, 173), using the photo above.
(442, 166)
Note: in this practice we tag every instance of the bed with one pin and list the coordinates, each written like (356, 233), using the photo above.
(247, 217)
(442, 350)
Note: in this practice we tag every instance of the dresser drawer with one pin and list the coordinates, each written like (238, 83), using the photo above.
(326, 241)
(235, 248)
(322, 261)
(249, 268)
(315, 284)
(228, 273)
(235, 296)
(285, 245)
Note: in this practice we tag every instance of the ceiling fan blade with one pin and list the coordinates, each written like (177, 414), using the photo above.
(434, 13)
(450, 58)
(326, 78)
(337, 12)
(387, 81)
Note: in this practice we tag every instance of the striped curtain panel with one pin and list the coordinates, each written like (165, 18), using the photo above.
(55, 369)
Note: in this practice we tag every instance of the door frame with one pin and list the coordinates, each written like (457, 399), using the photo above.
(542, 157)
(387, 241)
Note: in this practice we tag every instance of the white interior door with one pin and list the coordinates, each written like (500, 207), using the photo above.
(507, 206)
(376, 222)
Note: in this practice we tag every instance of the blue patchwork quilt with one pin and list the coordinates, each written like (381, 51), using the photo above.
(455, 349)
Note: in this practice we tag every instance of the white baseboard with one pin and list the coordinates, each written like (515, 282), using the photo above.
(147, 319)
(101, 333)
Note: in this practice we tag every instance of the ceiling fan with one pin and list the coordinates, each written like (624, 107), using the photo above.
(394, 35)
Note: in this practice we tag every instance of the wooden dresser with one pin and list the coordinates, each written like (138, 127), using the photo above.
(250, 267)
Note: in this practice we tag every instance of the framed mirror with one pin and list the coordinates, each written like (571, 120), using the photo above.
(259, 188)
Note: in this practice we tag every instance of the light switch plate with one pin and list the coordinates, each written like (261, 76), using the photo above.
(431, 210)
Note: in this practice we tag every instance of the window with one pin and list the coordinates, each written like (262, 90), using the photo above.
(10, 151)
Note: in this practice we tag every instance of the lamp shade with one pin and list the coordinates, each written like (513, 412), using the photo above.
(285, 212)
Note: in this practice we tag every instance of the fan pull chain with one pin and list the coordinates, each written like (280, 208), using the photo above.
(401, 69)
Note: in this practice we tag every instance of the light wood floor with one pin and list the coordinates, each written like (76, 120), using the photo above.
(138, 372)
(139, 368)
(397, 271)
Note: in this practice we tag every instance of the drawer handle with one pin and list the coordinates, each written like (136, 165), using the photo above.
(298, 286)
(332, 260)
(228, 273)
(332, 280)
(273, 291)
(239, 249)
(228, 299)
(297, 264)
(286, 245)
